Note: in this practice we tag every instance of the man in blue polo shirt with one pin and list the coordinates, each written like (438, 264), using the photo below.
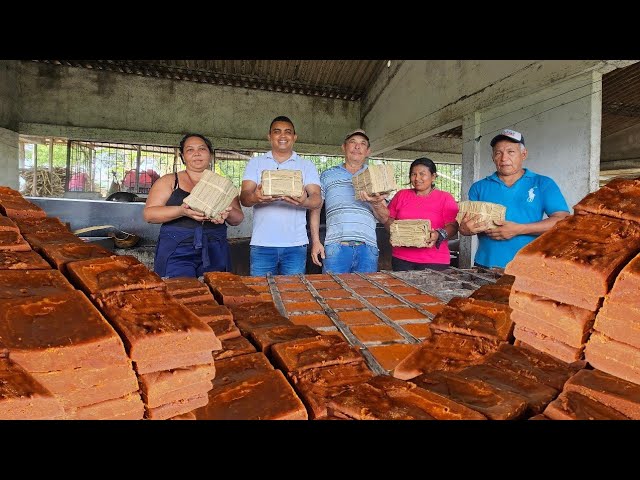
(279, 237)
(527, 196)
(350, 243)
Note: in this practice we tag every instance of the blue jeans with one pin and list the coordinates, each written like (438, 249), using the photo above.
(277, 260)
(350, 258)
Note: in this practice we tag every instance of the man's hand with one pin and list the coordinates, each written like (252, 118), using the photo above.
(187, 211)
(505, 230)
(261, 197)
(373, 199)
(472, 224)
(296, 201)
(317, 252)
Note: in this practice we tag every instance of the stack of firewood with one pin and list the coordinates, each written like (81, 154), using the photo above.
(49, 183)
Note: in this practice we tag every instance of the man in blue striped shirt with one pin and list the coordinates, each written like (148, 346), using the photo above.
(350, 243)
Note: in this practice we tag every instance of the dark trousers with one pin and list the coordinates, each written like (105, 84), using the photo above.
(189, 252)
(399, 265)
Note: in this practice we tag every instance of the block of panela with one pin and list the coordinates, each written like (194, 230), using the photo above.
(278, 183)
(485, 211)
(375, 179)
(212, 194)
(411, 233)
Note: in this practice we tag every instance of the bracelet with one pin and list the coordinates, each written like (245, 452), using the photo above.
(442, 236)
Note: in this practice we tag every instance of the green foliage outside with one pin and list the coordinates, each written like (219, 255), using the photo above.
(106, 160)
(448, 174)
(59, 156)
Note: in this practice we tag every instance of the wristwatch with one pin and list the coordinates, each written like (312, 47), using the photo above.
(442, 236)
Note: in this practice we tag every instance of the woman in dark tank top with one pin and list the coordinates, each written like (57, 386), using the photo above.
(189, 243)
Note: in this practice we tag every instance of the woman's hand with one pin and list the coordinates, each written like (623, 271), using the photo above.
(433, 238)
(187, 211)
(222, 216)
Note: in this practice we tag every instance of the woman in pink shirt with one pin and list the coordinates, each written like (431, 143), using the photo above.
(424, 202)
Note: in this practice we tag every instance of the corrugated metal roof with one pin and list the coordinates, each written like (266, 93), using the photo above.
(620, 99)
(341, 79)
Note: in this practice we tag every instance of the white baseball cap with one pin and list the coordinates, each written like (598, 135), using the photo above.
(508, 134)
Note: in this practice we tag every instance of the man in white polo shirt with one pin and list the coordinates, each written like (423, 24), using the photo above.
(350, 244)
(279, 238)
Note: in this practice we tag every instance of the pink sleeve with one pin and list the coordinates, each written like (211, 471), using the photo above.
(393, 206)
(450, 209)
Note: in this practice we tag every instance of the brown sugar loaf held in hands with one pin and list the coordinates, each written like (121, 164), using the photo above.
(486, 211)
(375, 180)
(212, 194)
(282, 183)
(411, 233)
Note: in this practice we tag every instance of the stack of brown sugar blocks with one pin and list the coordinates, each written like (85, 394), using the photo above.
(46, 230)
(171, 348)
(22, 397)
(527, 379)
(320, 367)
(52, 333)
(259, 285)
(614, 345)
(285, 368)
(57, 336)
(562, 278)
(595, 394)
(247, 386)
(10, 238)
(19, 219)
(59, 253)
(386, 398)
(197, 297)
(14, 205)
(462, 333)
(468, 358)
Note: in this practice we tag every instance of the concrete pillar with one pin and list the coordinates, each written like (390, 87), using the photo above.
(471, 157)
(562, 127)
(8, 123)
(8, 158)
